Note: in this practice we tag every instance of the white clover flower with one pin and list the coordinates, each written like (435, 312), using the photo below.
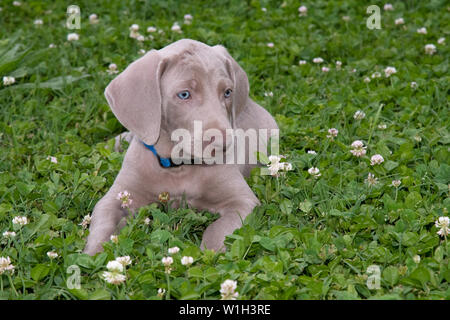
(161, 292)
(52, 159)
(52, 45)
(376, 159)
(399, 21)
(174, 250)
(312, 152)
(227, 290)
(396, 183)
(141, 51)
(73, 37)
(86, 221)
(151, 29)
(134, 28)
(417, 138)
(274, 158)
(338, 64)
(332, 133)
(366, 79)
(38, 22)
(302, 62)
(303, 11)
(167, 262)
(124, 261)
(441, 40)
(422, 30)
(93, 19)
(134, 34)
(275, 165)
(7, 81)
(264, 9)
(357, 144)
(125, 197)
(147, 221)
(371, 180)
(430, 49)
(389, 71)
(325, 69)
(346, 18)
(273, 169)
(359, 115)
(376, 75)
(114, 277)
(416, 259)
(388, 7)
(9, 234)
(268, 94)
(114, 238)
(414, 85)
(114, 266)
(112, 68)
(318, 60)
(17, 3)
(176, 28)
(140, 38)
(20, 220)
(188, 19)
(5, 265)
(315, 172)
(270, 45)
(382, 126)
(187, 261)
(358, 148)
(443, 224)
(52, 255)
(286, 166)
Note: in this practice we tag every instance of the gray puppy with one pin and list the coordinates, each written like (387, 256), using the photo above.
(165, 90)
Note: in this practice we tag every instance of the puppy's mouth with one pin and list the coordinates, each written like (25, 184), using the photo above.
(192, 160)
(206, 151)
(211, 157)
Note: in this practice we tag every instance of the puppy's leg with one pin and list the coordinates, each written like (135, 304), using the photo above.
(108, 217)
(234, 201)
(230, 220)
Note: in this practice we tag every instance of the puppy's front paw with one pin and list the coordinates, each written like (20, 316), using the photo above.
(92, 249)
(214, 237)
(216, 246)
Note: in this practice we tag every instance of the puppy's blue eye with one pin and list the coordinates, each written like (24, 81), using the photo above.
(227, 93)
(183, 95)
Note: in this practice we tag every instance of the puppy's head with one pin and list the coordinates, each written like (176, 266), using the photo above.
(181, 86)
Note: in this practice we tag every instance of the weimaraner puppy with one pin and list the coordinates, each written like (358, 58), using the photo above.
(163, 91)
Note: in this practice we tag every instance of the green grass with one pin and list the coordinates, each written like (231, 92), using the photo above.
(310, 238)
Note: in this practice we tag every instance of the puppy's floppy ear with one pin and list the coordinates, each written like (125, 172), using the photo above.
(135, 97)
(241, 86)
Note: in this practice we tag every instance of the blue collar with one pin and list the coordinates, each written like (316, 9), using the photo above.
(165, 162)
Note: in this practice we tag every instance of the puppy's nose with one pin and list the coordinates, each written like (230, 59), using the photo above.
(221, 141)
